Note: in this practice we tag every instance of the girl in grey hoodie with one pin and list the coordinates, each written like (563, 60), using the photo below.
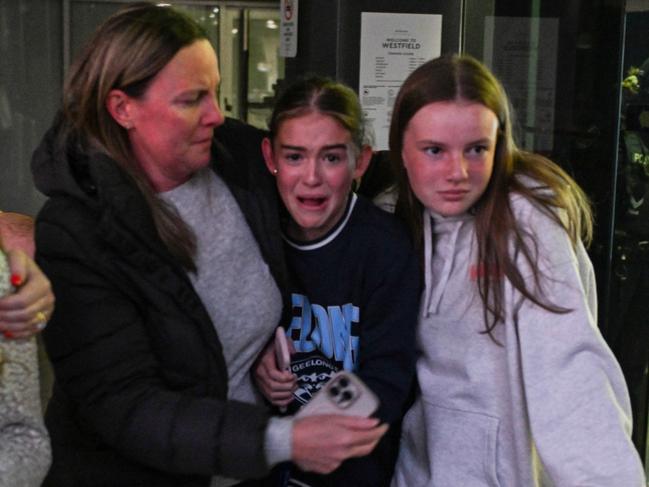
(517, 386)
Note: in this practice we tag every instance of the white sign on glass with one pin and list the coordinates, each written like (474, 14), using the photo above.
(392, 46)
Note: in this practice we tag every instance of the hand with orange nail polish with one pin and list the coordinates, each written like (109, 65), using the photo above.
(16, 280)
(25, 311)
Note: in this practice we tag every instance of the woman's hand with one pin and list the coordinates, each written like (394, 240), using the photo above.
(25, 312)
(276, 385)
(322, 443)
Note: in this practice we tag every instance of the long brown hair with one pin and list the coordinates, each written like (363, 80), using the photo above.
(463, 78)
(320, 95)
(126, 52)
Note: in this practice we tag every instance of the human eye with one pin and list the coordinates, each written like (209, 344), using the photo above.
(292, 158)
(478, 150)
(191, 99)
(432, 150)
(333, 157)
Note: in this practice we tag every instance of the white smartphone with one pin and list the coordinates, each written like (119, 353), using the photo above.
(345, 393)
(282, 355)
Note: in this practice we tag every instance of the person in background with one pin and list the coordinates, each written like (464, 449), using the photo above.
(161, 239)
(516, 384)
(17, 233)
(25, 453)
(26, 311)
(354, 291)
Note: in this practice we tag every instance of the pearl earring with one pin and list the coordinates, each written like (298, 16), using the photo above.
(275, 171)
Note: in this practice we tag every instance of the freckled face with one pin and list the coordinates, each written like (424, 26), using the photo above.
(173, 123)
(311, 155)
(448, 153)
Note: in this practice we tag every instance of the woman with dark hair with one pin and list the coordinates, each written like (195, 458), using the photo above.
(516, 385)
(353, 271)
(161, 239)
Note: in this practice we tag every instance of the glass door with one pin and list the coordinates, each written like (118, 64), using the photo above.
(578, 75)
(630, 330)
(265, 67)
(250, 62)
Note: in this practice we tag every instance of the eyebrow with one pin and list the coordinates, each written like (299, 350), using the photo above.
(292, 147)
(198, 89)
(190, 92)
(326, 147)
(335, 146)
(482, 141)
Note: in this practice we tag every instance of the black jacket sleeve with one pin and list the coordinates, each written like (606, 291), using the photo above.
(139, 373)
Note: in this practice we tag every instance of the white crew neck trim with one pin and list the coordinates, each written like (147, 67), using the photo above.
(332, 234)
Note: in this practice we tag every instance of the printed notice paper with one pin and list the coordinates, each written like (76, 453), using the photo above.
(392, 46)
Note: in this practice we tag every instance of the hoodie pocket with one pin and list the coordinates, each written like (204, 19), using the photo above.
(441, 446)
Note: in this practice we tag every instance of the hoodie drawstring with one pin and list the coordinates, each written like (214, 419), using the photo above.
(432, 271)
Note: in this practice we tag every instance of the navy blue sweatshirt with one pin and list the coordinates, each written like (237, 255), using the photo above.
(355, 302)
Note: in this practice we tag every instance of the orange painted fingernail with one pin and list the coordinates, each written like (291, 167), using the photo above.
(16, 280)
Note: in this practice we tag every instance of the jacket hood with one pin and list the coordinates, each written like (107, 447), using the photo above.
(62, 167)
(53, 161)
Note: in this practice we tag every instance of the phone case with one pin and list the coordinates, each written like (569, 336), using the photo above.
(282, 355)
(345, 394)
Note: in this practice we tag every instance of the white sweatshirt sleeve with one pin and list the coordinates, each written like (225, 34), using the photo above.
(576, 397)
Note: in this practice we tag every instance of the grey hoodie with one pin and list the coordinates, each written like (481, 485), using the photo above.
(548, 407)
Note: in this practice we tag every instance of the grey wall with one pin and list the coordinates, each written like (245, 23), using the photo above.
(30, 88)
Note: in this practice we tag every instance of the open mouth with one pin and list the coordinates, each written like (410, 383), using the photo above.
(310, 202)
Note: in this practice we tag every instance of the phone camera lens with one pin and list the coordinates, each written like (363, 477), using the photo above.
(343, 382)
(334, 391)
(347, 396)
